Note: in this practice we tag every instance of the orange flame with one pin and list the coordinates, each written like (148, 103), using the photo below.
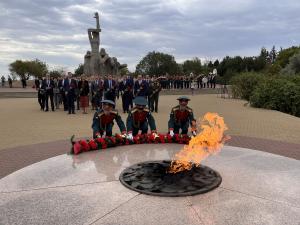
(209, 141)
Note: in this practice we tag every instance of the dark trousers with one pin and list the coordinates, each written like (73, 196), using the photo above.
(143, 127)
(108, 131)
(183, 126)
(78, 102)
(70, 101)
(212, 84)
(126, 100)
(41, 100)
(154, 103)
(64, 100)
(51, 102)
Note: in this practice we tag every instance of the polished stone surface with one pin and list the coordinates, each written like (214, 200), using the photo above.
(257, 188)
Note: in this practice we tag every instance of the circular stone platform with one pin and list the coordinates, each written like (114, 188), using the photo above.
(257, 188)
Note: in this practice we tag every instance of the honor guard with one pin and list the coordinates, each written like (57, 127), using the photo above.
(181, 117)
(139, 118)
(154, 90)
(103, 120)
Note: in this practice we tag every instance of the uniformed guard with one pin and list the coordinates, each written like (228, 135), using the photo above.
(154, 90)
(181, 117)
(103, 120)
(139, 118)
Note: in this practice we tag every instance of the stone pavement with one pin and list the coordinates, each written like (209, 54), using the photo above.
(257, 188)
(22, 122)
(42, 185)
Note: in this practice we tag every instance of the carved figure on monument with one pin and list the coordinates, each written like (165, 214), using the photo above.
(94, 35)
(96, 62)
(103, 61)
(87, 63)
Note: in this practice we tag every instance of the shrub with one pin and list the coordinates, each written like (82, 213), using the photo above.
(278, 93)
(244, 84)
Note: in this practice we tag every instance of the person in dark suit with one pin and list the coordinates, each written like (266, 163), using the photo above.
(48, 85)
(84, 90)
(110, 89)
(69, 86)
(97, 92)
(140, 87)
(41, 93)
(125, 87)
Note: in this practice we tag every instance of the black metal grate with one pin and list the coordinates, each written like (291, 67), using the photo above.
(151, 178)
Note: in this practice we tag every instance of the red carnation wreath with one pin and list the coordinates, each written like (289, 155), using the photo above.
(117, 140)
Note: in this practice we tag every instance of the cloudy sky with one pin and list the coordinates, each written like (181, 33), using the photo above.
(55, 31)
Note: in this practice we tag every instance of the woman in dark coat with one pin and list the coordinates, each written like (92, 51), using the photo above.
(84, 89)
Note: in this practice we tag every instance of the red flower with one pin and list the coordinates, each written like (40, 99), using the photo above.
(84, 145)
(162, 138)
(151, 139)
(93, 145)
(136, 139)
(113, 140)
(169, 138)
(77, 148)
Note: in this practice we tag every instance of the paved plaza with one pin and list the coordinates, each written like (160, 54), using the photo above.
(41, 184)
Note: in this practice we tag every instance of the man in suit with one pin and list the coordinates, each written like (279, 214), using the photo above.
(41, 92)
(48, 85)
(61, 83)
(69, 86)
(125, 88)
(110, 88)
(140, 87)
(97, 92)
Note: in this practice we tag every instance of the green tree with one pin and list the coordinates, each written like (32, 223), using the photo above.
(79, 70)
(193, 66)
(273, 54)
(293, 67)
(124, 71)
(216, 63)
(210, 65)
(19, 68)
(157, 63)
(284, 55)
(37, 68)
(56, 73)
(25, 69)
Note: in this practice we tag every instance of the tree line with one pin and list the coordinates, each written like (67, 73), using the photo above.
(157, 63)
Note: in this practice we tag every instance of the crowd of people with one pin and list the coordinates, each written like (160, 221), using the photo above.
(86, 90)
(139, 98)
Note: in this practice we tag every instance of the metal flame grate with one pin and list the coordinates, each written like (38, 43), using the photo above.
(151, 178)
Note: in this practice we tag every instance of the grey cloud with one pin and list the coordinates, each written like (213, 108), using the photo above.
(56, 30)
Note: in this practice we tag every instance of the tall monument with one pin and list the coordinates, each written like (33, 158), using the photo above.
(98, 62)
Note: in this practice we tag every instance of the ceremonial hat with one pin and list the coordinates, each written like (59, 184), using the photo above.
(140, 101)
(108, 102)
(183, 98)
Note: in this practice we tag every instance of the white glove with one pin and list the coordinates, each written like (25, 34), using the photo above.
(194, 133)
(104, 135)
(129, 136)
(171, 133)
